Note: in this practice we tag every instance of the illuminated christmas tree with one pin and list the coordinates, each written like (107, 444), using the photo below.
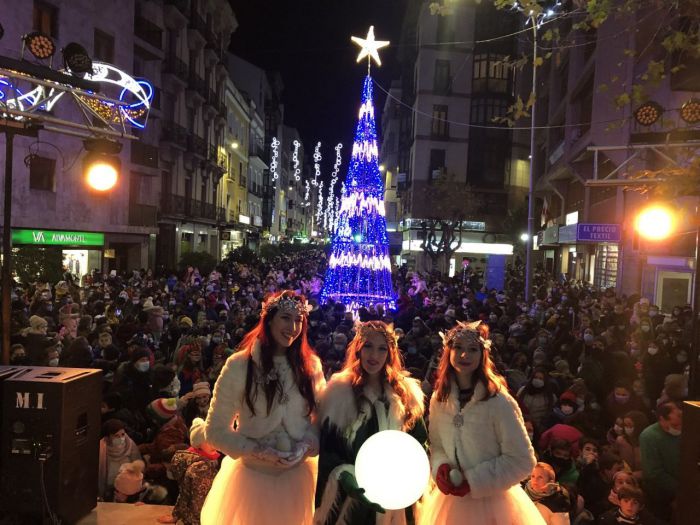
(359, 269)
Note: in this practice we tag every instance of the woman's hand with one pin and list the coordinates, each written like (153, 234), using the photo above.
(442, 479)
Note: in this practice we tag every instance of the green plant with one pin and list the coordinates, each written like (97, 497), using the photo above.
(202, 260)
(32, 263)
(241, 255)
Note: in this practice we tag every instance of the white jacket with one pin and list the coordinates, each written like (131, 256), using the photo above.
(228, 405)
(491, 447)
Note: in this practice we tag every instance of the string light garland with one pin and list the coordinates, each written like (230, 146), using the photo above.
(274, 147)
(307, 191)
(359, 267)
(295, 160)
(317, 163)
(319, 204)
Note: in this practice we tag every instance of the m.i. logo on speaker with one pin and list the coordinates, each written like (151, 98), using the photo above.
(24, 400)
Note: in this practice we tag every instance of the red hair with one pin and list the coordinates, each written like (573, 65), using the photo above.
(393, 371)
(485, 373)
(300, 356)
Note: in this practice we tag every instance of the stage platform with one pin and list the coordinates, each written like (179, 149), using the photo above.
(125, 514)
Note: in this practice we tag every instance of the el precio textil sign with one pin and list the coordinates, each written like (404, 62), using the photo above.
(57, 238)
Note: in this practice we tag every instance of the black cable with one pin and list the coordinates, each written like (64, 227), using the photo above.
(53, 518)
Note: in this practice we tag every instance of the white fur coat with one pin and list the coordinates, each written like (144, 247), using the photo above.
(228, 405)
(491, 447)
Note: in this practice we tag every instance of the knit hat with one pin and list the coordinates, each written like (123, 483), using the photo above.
(162, 376)
(197, 436)
(112, 426)
(129, 481)
(568, 396)
(139, 353)
(37, 323)
(163, 409)
(185, 321)
(148, 304)
(61, 288)
(201, 388)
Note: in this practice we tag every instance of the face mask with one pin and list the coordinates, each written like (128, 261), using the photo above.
(135, 301)
(645, 328)
(681, 358)
(538, 383)
(143, 367)
(622, 399)
(629, 430)
(595, 406)
(588, 338)
(567, 410)
(674, 431)
(53, 362)
(618, 430)
(119, 442)
(652, 350)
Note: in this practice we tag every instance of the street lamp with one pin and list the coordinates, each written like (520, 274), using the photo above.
(655, 222)
(101, 165)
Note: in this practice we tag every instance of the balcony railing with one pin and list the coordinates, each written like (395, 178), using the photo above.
(143, 215)
(175, 133)
(196, 83)
(148, 32)
(212, 156)
(171, 204)
(144, 154)
(197, 145)
(256, 150)
(175, 66)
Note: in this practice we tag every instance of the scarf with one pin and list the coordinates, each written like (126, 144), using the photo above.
(536, 495)
(621, 518)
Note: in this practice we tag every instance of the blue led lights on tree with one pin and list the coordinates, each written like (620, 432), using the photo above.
(359, 269)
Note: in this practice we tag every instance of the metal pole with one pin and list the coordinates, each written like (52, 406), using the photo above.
(531, 187)
(693, 383)
(7, 249)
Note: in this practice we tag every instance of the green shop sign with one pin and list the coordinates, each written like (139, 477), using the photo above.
(57, 238)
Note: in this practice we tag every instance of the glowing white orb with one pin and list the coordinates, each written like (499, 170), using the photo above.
(655, 222)
(101, 176)
(393, 469)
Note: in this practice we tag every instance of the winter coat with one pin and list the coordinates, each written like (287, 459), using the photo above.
(345, 425)
(228, 404)
(491, 446)
(194, 474)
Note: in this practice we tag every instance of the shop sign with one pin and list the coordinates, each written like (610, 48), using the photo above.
(243, 218)
(551, 235)
(57, 238)
(567, 234)
(572, 218)
(598, 232)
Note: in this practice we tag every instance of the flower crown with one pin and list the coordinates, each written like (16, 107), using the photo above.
(362, 330)
(287, 303)
(470, 330)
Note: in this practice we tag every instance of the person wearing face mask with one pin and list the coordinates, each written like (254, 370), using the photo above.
(191, 369)
(656, 365)
(620, 401)
(660, 454)
(116, 448)
(133, 380)
(36, 340)
(51, 357)
(634, 423)
(563, 411)
(537, 397)
(18, 355)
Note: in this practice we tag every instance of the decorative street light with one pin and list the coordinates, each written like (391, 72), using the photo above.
(655, 222)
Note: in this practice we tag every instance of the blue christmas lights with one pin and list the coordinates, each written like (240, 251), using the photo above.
(359, 268)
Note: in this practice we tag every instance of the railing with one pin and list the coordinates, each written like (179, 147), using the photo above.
(212, 99)
(212, 157)
(148, 32)
(143, 215)
(144, 154)
(171, 204)
(256, 150)
(196, 145)
(175, 66)
(172, 132)
(220, 214)
(196, 83)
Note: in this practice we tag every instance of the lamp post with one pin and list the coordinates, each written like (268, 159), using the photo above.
(531, 183)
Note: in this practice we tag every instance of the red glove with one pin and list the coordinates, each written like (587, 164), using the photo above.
(462, 490)
(442, 479)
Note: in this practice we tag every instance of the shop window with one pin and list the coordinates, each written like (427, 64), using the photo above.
(104, 47)
(606, 260)
(42, 172)
(45, 19)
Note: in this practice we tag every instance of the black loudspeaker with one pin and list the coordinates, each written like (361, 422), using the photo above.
(49, 441)
(688, 508)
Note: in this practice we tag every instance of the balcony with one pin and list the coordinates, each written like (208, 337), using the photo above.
(175, 13)
(171, 204)
(148, 32)
(174, 70)
(200, 209)
(198, 23)
(144, 154)
(174, 134)
(196, 145)
(196, 87)
(256, 150)
(212, 156)
(211, 103)
(143, 215)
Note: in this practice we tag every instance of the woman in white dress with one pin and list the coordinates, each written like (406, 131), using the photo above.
(479, 449)
(261, 417)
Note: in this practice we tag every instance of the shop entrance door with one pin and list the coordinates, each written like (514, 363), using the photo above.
(673, 289)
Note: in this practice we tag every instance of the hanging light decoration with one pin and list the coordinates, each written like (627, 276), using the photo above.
(648, 113)
(274, 146)
(690, 111)
(39, 45)
(295, 160)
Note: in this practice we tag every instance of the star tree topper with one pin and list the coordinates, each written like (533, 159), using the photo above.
(369, 47)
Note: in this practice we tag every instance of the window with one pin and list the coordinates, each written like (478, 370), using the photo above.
(45, 19)
(103, 47)
(490, 73)
(440, 128)
(441, 82)
(42, 173)
(437, 163)
(485, 109)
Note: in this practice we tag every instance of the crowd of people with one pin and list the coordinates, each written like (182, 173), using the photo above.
(594, 380)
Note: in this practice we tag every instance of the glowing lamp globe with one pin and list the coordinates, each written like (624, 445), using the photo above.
(101, 176)
(393, 469)
(655, 223)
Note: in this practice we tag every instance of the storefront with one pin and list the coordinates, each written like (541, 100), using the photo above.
(81, 251)
(594, 246)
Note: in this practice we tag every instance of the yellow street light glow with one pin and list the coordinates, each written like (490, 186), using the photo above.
(101, 176)
(655, 222)
(382, 167)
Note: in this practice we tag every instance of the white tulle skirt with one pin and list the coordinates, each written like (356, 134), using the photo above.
(243, 494)
(511, 507)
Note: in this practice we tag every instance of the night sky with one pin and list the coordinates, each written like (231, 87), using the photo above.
(308, 42)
